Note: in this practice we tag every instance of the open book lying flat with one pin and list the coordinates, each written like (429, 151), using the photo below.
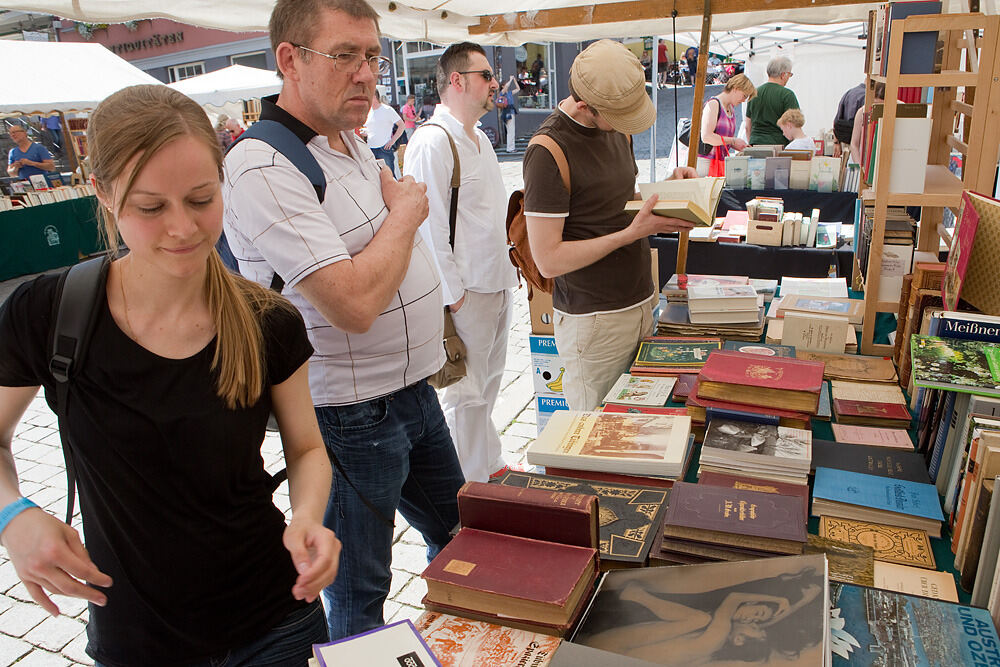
(691, 199)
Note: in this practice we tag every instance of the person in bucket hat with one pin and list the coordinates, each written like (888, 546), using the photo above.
(604, 292)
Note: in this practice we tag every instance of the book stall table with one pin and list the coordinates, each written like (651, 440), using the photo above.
(833, 206)
(49, 236)
(756, 261)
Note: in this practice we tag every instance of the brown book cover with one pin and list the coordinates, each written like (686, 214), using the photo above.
(977, 532)
(904, 300)
(747, 519)
(865, 413)
(629, 515)
(709, 552)
(740, 483)
(849, 563)
(907, 546)
(920, 299)
(538, 581)
(697, 407)
(614, 478)
(555, 515)
(776, 382)
(853, 366)
(929, 275)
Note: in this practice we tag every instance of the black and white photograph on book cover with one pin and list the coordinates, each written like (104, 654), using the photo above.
(753, 438)
(766, 612)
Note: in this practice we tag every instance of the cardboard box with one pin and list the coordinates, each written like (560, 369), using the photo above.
(540, 311)
(760, 232)
(545, 405)
(546, 367)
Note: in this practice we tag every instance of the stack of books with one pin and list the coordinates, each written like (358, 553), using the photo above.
(710, 523)
(877, 404)
(736, 304)
(758, 450)
(675, 320)
(677, 286)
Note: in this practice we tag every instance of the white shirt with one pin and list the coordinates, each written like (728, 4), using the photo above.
(379, 125)
(801, 144)
(479, 262)
(273, 219)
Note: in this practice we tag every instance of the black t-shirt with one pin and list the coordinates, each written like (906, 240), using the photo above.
(176, 503)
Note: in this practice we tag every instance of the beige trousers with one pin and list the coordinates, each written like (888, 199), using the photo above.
(596, 349)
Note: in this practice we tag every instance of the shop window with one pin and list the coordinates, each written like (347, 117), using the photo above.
(257, 59)
(533, 76)
(180, 72)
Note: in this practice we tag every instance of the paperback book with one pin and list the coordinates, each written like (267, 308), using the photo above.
(661, 355)
(954, 365)
(898, 502)
(463, 642)
(870, 460)
(915, 581)
(636, 390)
(393, 644)
(895, 438)
(762, 349)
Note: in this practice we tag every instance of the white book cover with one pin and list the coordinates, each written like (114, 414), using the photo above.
(390, 645)
(644, 391)
(814, 286)
(910, 143)
(722, 292)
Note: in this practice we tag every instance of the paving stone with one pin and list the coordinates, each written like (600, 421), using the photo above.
(409, 557)
(411, 594)
(405, 612)
(522, 430)
(399, 580)
(8, 579)
(52, 438)
(12, 649)
(412, 536)
(43, 419)
(46, 495)
(389, 610)
(54, 633)
(70, 607)
(19, 592)
(40, 658)
(76, 651)
(21, 618)
(40, 473)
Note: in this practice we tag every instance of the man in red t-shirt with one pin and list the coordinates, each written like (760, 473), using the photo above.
(662, 63)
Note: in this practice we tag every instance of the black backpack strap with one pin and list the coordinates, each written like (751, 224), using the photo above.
(280, 138)
(80, 290)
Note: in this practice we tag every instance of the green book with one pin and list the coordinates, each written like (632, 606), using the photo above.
(955, 365)
(662, 353)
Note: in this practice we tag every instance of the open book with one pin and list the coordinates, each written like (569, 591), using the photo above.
(691, 199)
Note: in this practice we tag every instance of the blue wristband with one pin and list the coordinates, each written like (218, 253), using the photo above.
(8, 513)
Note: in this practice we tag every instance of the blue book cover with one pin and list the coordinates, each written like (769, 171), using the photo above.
(870, 627)
(962, 327)
(947, 417)
(740, 416)
(892, 495)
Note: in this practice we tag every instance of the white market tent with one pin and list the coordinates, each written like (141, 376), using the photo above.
(42, 77)
(230, 84)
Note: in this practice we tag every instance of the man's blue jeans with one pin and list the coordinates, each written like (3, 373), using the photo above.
(398, 452)
(389, 157)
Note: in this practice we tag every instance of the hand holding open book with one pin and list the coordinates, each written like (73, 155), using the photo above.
(692, 199)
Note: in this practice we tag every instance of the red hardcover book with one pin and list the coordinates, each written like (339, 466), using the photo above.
(555, 516)
(658, 482)
(800, 491)
(696, 407)
(865, 413)
(516, 577)
(775, 382)
(736, 517)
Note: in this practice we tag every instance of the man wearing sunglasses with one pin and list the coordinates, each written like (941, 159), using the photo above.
(476, 275)
(366, 286)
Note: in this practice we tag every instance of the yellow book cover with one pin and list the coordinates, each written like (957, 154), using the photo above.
(906, 546)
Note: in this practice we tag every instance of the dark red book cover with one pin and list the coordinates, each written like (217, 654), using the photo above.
(800, 491)
(704, 403)
(736, 511)
(555, 516)
(512, 567)
(658, 482)
(870, 410)
(768, 372)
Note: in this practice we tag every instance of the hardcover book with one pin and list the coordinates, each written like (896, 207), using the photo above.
(895, 499)
(871, 414)
(870, 460)
(853, 366)
(737, 517)
(609, 442)
(704, 298)
(567, 516)
(848, 563)
(966, 326)
(463, 642)
(733, 443)
(954, 365)
(693, 199)
(852, 309)
(594, 476)
(877, 627)
(771, 382)
(800, 491)
(486, 573)
(896, 438)
(891, 544)
(671, 615)
(661, 354)
(760, 348)
(629, 515)
(393, 644)
(642, 391)
(698, 408)
(915, 581)
(685, 383)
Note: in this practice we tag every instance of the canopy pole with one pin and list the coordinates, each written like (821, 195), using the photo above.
(654, 56)
(699, 95)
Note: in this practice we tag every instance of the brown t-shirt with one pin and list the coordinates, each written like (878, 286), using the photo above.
(602, 178)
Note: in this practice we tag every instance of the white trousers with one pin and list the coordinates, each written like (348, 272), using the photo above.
(510, 134)
(596, 349)
(483, 324)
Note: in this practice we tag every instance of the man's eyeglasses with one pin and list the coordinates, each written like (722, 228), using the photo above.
(350, 63)
(485, 73)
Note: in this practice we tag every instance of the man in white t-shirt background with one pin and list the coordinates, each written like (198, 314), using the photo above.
(383, 127)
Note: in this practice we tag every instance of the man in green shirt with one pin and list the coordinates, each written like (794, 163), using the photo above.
(772, 100)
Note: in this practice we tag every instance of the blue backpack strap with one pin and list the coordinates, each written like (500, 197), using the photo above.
(283, 140)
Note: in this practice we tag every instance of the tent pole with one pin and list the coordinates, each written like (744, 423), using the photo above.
(654, 56)
(699, 95)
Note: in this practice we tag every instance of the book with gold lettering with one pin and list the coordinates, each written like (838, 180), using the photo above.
(735, 517)
(743, 483)
(905, 546)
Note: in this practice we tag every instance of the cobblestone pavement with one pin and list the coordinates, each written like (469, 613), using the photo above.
(29, 637)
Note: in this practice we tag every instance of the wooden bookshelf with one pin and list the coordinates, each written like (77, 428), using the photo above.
(977, 139)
